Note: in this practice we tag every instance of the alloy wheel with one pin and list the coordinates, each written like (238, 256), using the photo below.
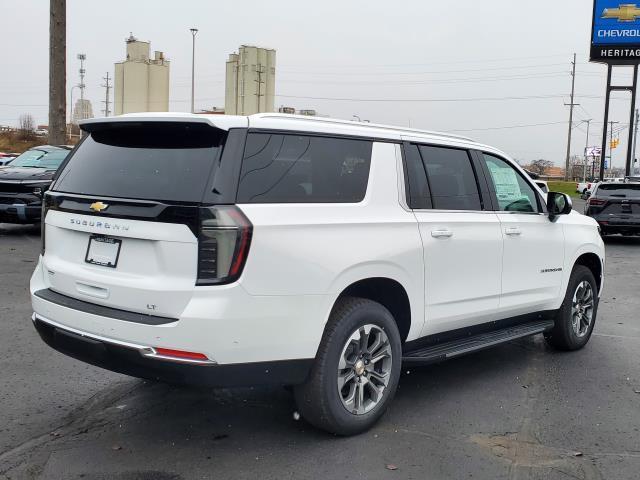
(364, 369)
(582, 308)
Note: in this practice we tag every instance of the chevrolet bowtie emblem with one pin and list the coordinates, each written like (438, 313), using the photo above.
(98, 206)
(626, 12)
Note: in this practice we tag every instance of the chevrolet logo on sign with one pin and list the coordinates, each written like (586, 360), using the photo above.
(98, 206)
(626, 12)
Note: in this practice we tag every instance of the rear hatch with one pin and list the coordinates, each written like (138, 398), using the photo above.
(136, 219)
(617, 203)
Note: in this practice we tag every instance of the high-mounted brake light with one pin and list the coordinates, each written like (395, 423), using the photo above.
(223, 244)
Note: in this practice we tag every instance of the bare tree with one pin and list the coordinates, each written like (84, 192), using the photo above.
(540, 166)
(26, 126)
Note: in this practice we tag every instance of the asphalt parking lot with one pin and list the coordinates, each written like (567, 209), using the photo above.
(518, 411)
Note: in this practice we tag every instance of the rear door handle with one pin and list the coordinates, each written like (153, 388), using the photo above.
(513, 231)
(441, 233)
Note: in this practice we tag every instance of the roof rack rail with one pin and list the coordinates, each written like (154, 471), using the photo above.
(379, 126)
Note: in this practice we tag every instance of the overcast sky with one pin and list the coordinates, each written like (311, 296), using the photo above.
(430, 64)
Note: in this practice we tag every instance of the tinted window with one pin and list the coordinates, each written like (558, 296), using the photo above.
(513, 192)
(170, 162)
(622, 190)
(451, 178)
(417, 188)
(303, 169)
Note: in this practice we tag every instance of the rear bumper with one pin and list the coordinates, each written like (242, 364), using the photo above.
(134, 360)
(612, 224)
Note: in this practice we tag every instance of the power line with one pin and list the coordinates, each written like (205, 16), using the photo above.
(434, 100)
(430, 81)
(508, 127)
(431, 72)
(458, 62)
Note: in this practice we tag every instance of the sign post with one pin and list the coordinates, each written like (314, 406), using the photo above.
(615, 41)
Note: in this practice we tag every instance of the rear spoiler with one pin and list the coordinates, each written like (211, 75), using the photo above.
(222, 122)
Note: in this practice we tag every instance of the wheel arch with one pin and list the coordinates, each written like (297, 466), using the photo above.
(593, 262)
(388, 292)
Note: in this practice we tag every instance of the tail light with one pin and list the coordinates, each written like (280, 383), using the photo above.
(223, 244)
(46, 201)
(595, 201)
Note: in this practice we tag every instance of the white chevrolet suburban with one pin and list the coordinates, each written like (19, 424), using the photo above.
(314, 253)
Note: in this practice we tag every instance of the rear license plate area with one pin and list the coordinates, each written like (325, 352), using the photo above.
(103, 251)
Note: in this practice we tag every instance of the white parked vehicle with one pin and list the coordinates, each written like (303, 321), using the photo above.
(318, 253)
(584, 187)
(588, 187)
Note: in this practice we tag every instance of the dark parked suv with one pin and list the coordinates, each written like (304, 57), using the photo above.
(23, 182)
(616, 207)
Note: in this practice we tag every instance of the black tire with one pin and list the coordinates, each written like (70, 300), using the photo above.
(319, 400)
(564, 336)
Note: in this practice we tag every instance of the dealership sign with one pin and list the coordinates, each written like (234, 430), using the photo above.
(592, 151)
(615, 34)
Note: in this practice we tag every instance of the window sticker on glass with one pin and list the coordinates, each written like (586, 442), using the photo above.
(506, 183)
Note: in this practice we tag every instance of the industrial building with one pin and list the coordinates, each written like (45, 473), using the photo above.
(250, 81)
(82, 110)
(141, 84)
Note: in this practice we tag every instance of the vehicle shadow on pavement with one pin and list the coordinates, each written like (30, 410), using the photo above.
(234, 432)
(621, 240)
(11, 230)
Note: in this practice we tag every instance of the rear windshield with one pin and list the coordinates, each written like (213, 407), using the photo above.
(623, 190)
(161, 161)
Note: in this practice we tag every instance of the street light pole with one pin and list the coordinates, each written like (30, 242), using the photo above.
(193, 68)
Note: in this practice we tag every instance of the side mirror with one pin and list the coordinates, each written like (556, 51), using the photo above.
(558, 204)
(585, 195)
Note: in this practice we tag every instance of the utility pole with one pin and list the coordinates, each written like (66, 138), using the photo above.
(259, 72)
(635, 141)
(106, 102)
(57, 71)
(571, 105)
(193, 68)
(584, 173)
(611, 124)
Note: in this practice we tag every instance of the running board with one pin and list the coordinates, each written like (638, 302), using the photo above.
(474, 343)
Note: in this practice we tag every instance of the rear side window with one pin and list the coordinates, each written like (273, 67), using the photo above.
(621, 190)
(148, 161)
(452, 180)
(418, 190)
(279, 168)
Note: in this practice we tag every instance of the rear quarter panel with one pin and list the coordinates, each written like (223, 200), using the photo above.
(320, 249)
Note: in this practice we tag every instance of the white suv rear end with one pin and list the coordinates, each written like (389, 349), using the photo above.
(274, 249)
